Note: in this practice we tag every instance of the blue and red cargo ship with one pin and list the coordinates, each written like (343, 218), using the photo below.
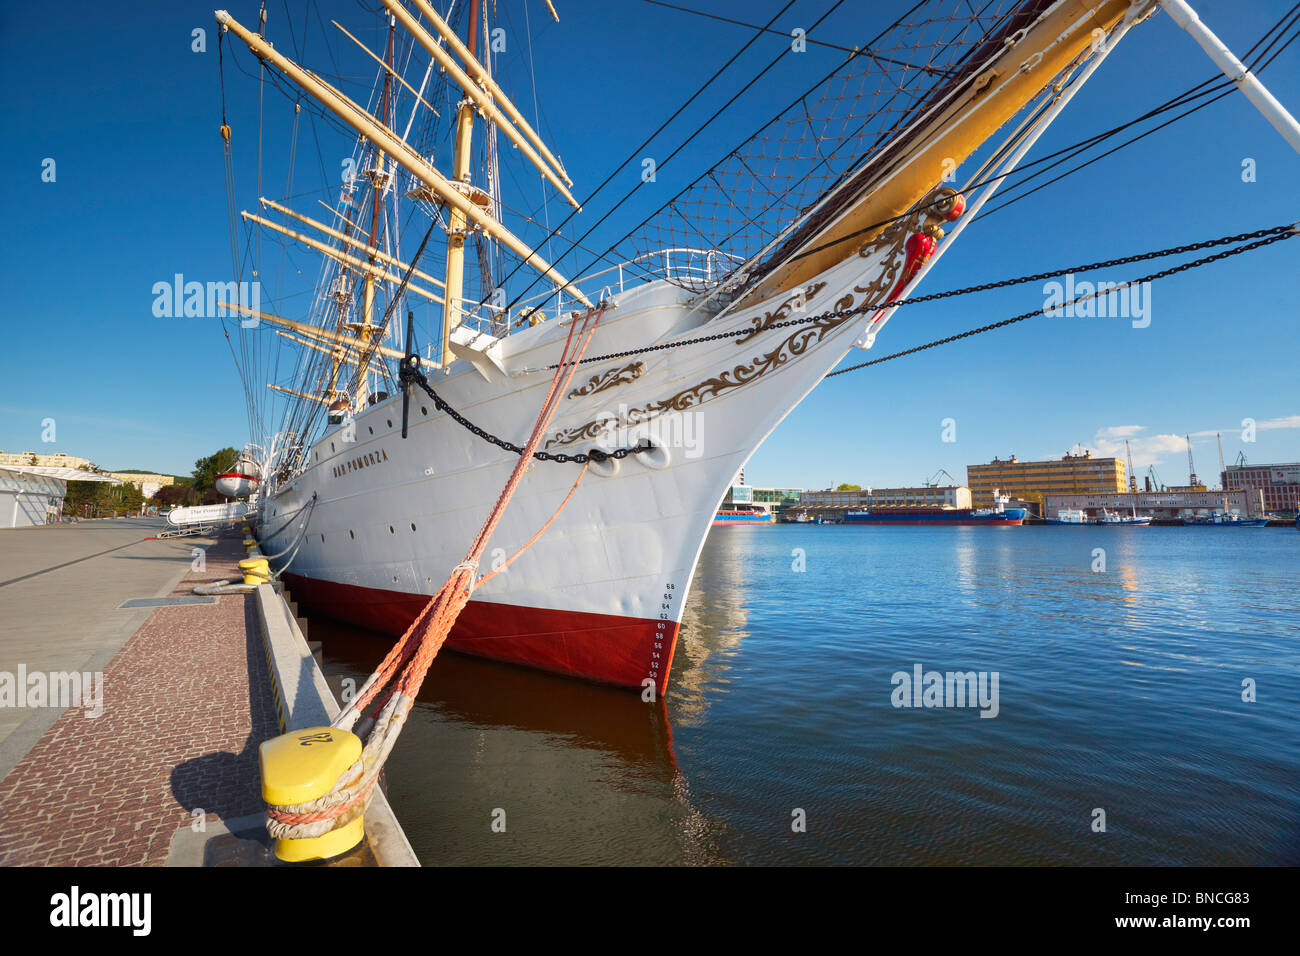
(997, 515)
(743, 516)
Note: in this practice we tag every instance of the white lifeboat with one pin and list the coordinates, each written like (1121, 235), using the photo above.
(241, 480)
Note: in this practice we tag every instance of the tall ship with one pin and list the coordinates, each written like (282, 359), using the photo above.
(407, 334)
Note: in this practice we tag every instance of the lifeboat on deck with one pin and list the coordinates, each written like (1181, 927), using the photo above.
(241, 480)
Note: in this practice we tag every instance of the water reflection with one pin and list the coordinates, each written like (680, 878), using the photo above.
(1119, 688)
(583, 773)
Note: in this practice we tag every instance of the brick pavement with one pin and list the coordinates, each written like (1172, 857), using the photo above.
(186, 702)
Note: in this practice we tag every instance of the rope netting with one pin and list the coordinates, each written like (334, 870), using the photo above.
(741, 208)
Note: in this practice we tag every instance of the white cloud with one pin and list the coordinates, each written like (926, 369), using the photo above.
(1162, 449)
(1147, 449)
(1287, 421)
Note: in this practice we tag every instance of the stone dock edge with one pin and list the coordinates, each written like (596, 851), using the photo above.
(303, 699)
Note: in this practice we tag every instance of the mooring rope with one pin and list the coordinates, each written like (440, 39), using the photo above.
(402, 672)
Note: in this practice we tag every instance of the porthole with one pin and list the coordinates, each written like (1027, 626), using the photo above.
(390, 530)
(371, 430)
(424, 410)
(350, 534)
(331, 446)
(390, 422)
(412, 525)
(322, 539)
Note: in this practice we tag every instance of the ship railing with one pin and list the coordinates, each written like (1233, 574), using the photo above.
(684, 266)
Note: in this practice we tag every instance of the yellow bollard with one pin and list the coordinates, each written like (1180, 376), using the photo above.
(256, 570)
(302, 766)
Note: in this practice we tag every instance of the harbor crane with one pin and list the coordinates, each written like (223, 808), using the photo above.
(1132, 475)
(1191, 465)
(933, 480)
(1153, 480)
(1223, 469)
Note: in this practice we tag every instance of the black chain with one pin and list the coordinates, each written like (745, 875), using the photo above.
(1263, 237)
(592, 454)
(1275, 231)
(1227, 253)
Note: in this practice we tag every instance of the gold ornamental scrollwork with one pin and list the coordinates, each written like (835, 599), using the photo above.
(926, 215)
(611, 379)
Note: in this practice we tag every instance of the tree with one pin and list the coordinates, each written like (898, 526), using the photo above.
(170, 496)
(849, 488)
(207, 469)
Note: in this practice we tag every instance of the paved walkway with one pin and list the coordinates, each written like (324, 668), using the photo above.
(187, 698)
(60, 587)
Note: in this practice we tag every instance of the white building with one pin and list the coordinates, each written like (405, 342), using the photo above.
(33, 494)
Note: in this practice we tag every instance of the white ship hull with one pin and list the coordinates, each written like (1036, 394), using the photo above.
(600, 595)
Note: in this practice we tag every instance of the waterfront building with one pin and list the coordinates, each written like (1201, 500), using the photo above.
(146, 481)
(1279, 484)
(55, 460)
(1035, 480)
(768, 499)
(927, 496)
(1160, 504)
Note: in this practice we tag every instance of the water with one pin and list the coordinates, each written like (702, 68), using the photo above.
(1119, 690)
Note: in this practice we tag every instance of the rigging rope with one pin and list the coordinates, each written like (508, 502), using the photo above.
(1264, 236)
(1290, 233)
(1283, 231)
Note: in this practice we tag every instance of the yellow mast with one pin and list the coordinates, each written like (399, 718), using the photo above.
(371, 251)
(454, 287)
(306, 328)
(356, 116)
(485, 94)
(368, 269)
(378, 183)
(951, 134)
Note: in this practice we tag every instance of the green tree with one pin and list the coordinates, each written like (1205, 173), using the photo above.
(847, 487)
(207, 469)
(170, 496)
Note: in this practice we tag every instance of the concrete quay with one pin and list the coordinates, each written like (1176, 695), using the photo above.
(162, 768)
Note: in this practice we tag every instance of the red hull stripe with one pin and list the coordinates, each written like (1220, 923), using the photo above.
(600, 647)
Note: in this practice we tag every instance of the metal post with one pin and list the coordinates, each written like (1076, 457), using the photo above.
(1235, 70)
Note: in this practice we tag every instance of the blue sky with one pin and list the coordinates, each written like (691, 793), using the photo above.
(130, 114)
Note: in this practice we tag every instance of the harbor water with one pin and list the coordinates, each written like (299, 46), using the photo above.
(1146, 711)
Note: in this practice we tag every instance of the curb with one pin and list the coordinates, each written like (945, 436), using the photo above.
(303, 699)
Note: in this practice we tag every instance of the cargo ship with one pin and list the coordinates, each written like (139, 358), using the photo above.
(742, 516)
(999, 514)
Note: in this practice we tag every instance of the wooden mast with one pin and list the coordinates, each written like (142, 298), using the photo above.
(378, 182)
(454, 288)
(381, 135)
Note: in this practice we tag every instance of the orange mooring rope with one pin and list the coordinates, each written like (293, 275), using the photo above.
(412, 656)
(434, 623)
